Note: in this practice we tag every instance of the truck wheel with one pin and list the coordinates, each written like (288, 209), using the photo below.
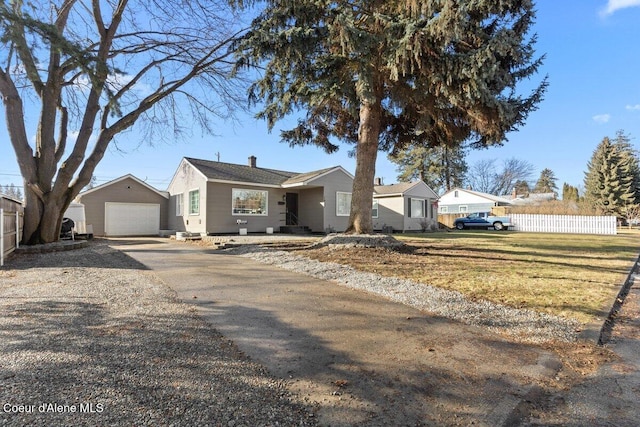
(497, 226)
(460, 225)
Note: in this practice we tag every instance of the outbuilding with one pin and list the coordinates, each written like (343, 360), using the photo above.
(126, 206)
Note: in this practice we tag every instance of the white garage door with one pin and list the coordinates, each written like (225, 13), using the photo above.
(131, 219)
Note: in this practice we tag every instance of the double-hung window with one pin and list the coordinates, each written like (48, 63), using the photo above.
(374, 209)
(343, 203)
(416, 207)
(194, 202)
(179, 204)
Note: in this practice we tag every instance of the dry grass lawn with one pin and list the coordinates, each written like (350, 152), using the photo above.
(574, 276)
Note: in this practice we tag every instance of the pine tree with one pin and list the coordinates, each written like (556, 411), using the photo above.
(570, 193)
(385, 74)
(522, 187)
(611, 180)
(441, 168)
(546, 183)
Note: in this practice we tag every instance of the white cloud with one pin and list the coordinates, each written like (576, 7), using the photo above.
(614, 5)
(601, 118)
(633, 107)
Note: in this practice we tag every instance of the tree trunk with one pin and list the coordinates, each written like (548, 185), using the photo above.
(360, 221)
(42, 218)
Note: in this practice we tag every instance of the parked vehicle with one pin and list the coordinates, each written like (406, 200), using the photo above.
(75, 214)
(66, 231)
(482, 220)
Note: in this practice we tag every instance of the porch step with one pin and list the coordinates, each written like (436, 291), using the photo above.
(295, 229)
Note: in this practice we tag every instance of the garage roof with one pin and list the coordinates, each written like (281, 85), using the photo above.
(122, 178)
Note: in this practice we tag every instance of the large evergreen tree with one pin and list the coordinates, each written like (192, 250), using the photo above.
(611, 179)
(546, 183)
(383, 74)
(441, 168)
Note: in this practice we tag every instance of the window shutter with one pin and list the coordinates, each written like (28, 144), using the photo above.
(409, 207)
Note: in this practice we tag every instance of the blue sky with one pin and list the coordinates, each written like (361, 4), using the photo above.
(592, 61)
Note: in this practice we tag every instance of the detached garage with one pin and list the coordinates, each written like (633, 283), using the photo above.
(126, 206)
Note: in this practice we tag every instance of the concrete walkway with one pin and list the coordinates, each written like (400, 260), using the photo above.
(361, 359)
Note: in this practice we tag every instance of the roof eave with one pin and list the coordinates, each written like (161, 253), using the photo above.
(254, 184)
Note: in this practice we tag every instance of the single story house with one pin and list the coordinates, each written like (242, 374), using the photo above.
(461, 201)
(215, 197)
(126, 206)
(408, 206)
(211, 197)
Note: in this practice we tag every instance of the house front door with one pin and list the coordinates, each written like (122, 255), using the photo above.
(292, 208)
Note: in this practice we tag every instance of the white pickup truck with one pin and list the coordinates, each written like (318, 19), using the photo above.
(482, 220)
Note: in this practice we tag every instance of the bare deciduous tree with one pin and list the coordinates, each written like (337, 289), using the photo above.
(94, 69)
(484, 176)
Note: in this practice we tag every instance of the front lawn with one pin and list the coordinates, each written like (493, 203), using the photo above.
(575, 276)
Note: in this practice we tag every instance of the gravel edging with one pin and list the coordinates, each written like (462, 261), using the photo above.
(527, 325)
(87, 337)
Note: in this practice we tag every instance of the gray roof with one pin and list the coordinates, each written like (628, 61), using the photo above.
(305, 177)
(239, 173)
(219, 171)
(393, 188)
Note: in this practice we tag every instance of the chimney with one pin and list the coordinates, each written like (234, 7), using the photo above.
(377, 181)
(252, 161)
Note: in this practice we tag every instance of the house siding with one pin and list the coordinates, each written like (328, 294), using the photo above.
(390, 213)
(316, 201)
(333, 183)
(310, 209)
(394, 209)
(421, 191)
(470, 201)
(125, 191)
(187, 179)
(220, 218)
(468, 208)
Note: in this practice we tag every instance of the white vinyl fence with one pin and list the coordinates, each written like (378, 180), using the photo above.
(10, 233)
(564, 224)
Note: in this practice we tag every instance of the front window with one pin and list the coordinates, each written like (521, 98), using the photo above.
(343, 204)
(444, 209)
(417, 208)
(194, 202)
(374, 209)
(249, 202)
(463, 209)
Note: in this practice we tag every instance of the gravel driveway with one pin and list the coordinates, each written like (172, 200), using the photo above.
(88, 337)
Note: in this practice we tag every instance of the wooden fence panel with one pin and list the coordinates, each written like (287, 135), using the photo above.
(10, 232)
(577, 224)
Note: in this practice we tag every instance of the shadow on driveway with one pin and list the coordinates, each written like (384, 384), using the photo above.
(362, 359)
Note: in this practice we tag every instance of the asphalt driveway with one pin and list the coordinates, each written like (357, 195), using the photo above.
(361, 359)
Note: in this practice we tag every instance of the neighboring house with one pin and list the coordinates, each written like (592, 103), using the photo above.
(216, 197)
(126, 206)
(409, 206)
(464, 201)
